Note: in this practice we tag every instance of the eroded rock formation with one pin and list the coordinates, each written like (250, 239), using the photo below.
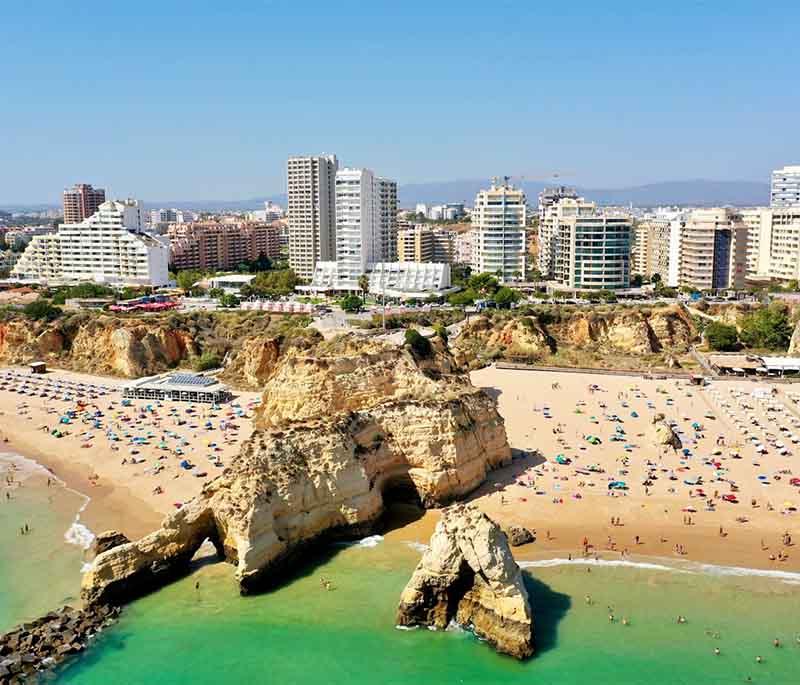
(337, 436)
(469, 575)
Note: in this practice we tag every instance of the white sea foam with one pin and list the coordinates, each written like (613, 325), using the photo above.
(79, 535)
(789, 577)
(406, 627)
(371, 541)
(23, 467)
(420, 547)
(544, 563)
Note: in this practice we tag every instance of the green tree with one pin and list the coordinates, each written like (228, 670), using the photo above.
(215, 292)
(41, 310)
(363, 285)
(229, 301)
(187, 278)
(505, 296)
(636, 281)
(207, 361)
(418, 343)
(484, 284)
(275, 283)
(655, 279)
(721, 337)
(463, 298)
(351, 303)
(441, 331)
(768, 328)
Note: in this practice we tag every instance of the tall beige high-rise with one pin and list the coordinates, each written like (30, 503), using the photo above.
(81, 201)
(311, 189)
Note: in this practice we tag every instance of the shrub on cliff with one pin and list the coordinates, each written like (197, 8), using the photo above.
(418, 343)
(206, 361)
(767, 328)
(721, 337)
(41, 310)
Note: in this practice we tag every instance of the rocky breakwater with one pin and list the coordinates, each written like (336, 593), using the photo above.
(341, 432)
(468, 575)
(49, 640)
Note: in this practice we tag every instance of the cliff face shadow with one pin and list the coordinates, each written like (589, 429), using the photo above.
(497, 480)
(549, 607)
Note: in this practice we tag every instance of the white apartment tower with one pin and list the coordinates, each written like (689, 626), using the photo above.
(498, 226)
(310, 187)
(785, 188)
(108, 247)
(358, 223)
(548, 229)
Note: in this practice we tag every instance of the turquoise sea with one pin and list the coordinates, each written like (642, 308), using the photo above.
(301, 633)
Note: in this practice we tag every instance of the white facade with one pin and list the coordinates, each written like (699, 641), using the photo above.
(759, 240)
(409, 279)
(785, 188)
(548, 226)
(108, 247)
(357, 224)
(393, 279)
(498, 221)
(311, 214)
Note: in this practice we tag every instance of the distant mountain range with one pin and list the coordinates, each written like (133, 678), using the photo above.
(695, 193)
(692, 193)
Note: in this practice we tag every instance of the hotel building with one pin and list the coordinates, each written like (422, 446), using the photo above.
(81, 201)
(108, 247)
(785, 188)
(311, 185)
(215, 246)
(498, 221)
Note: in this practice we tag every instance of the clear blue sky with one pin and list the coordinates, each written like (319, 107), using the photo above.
(205, 100)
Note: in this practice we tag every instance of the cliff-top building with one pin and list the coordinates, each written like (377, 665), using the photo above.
(498, 221)
(108, 247)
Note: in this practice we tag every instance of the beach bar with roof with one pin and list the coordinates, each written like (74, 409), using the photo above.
(183, 387)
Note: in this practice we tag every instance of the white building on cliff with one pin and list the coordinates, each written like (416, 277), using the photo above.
(108, 247)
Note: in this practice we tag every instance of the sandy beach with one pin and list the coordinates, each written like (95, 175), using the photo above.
(555, 414)
(127, 459)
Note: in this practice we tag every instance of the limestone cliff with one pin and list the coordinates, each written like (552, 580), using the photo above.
(337, 437)
(469, 575)
(625, 331)
(134, 346)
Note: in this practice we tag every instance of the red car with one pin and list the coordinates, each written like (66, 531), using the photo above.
(730, 498)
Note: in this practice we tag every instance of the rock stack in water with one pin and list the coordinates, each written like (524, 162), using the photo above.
(49, 640)
(341, 433)
(468, 575)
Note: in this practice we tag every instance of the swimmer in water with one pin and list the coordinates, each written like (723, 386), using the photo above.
(759, 659)
(716, 651)
(776, 642)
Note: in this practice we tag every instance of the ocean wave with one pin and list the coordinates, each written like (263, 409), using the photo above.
(369, 541)
(406, 627)
(80, 535)
(24, 467)
(789, 577)
(545, 563)
(420, 547)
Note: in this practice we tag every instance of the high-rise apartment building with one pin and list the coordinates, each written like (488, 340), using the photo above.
(387, 209)
(220, 246)
(655, 246)
(311, 186)
(358, 226)
(108, 247)
(713, 250)
(592, 247)
(498, 221)
(415, 244)
(547, 228)
(785, 189)
(424, 243)
(81, 201)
